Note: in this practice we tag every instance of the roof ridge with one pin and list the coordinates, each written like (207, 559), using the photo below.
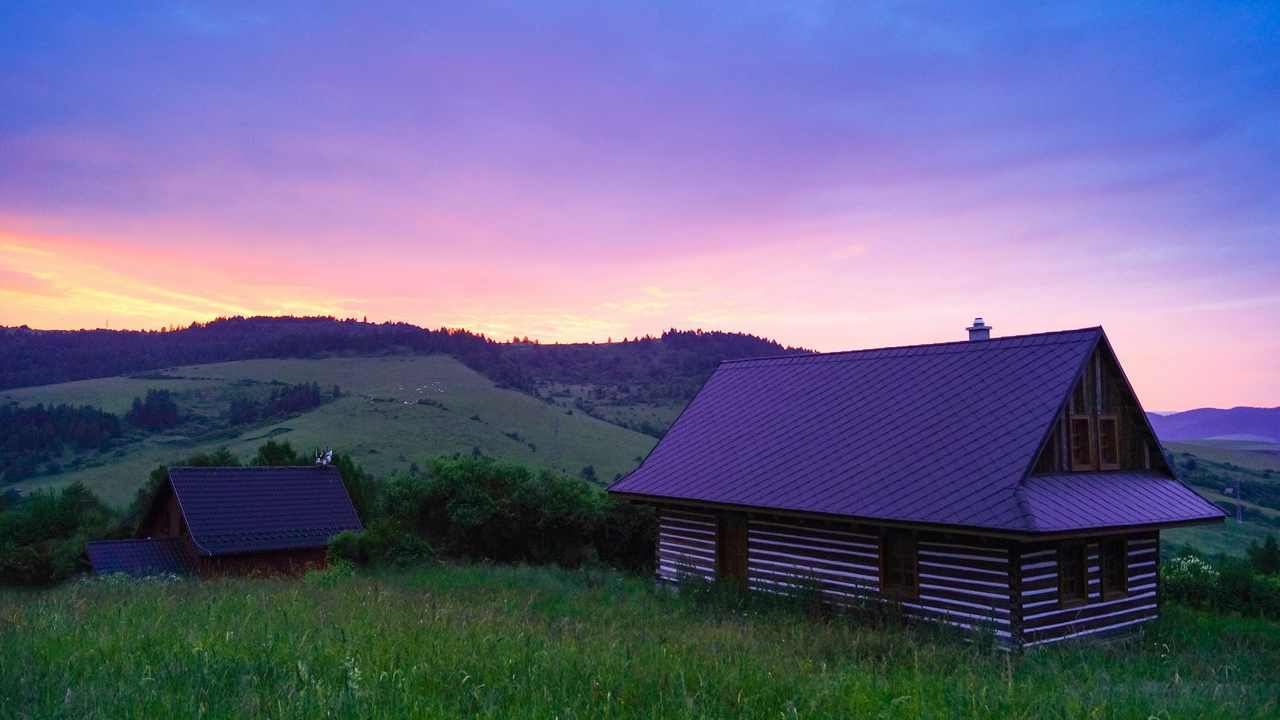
(919, 346)
(242, 468)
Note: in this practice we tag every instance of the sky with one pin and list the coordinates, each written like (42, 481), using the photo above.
(834, 175)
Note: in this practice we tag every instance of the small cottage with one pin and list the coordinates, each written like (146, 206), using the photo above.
(234, 520)
(1012, 485)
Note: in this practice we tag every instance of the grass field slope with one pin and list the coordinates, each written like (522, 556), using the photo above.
(517, 642)
(392, 411)
(1213, 468)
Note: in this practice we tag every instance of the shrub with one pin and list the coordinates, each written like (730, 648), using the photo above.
(477, 507)
(42, 539)
(331, 576)
(1190, 579)
(383, 543)
(1231, 586)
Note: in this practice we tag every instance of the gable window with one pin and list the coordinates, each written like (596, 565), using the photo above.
(1073, 585)
(1081, 442)
(1115, 568)
(898, 574)
(1108, 443)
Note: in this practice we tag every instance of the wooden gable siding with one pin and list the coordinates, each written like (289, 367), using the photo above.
(686, 545)
(165, 519)
(1101, 391)
(1045, 619)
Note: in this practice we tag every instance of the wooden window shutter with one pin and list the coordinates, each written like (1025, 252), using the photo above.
(1073, 587)
(1082, 443)
(1108, 442)
(898, 559)
(1115, 568)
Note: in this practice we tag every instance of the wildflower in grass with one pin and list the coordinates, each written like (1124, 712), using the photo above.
(353, 674)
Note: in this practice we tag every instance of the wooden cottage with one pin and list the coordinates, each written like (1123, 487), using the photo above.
(235, 520)
(1009, 484)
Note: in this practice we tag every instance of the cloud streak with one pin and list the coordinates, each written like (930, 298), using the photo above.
(832, 174)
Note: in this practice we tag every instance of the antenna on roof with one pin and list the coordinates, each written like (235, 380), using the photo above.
(324, 458)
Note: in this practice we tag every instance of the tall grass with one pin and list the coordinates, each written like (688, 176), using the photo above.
(494, 642)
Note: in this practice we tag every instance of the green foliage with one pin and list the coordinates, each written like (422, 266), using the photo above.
(477, 507)
(158, 411)
(337, 572)
(1227, 585)
(447, 641)
(382, 543)
(32, 435)
(42, 538)
(276, 454)
(1265, 557)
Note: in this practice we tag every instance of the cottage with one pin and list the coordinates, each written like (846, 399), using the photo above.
(234, 520)
(1009, 484)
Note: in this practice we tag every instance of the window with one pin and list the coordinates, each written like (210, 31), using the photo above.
(1115, 568)
(1072, 582)
(899, 560)
(1108, 443)
(1081, 442)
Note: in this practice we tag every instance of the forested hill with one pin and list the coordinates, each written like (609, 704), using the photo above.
(41, 357)
(671, 366)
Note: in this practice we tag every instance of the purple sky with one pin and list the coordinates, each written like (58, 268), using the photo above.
(834, 175)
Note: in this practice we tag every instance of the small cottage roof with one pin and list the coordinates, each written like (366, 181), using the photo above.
(234, 510)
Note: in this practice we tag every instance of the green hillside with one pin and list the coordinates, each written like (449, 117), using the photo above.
(1213, 466)
(394, 411)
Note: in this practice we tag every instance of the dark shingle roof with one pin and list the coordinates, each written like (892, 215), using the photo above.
(138, 557)
(936, 434)
(1091, 500)
(240, 510)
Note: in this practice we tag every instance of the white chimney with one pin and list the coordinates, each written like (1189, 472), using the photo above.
(979, 330)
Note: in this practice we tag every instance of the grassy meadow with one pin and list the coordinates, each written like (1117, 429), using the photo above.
(395, 410)
(501, 641)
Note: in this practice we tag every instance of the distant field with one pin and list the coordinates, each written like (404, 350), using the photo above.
(1248, 454)
(396, 410)
(513, 642)
(1229, 538)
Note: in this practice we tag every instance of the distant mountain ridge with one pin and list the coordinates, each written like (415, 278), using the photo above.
(670, 366)
(1244, 423)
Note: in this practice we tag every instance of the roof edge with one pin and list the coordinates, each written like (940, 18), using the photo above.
(1009, 533)
(958, 343)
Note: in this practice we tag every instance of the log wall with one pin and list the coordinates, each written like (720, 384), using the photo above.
(686, 545)
(1046, 620)
(1005, 587)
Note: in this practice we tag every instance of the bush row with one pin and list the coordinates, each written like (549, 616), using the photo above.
(1223, 584)
(474, 508)
(482, 509)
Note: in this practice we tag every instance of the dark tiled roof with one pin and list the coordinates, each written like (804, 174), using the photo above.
(935, 434)
(241, 510)
(1092, 500)
(138, 557)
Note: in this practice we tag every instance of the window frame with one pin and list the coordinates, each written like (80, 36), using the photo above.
(908, 537)
(1107, 549)
(1115, 442)
(1064, 550)
(1089, 442)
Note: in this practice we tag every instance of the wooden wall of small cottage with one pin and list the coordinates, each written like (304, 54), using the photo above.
(1045, 619)
(274, 562)
(1007, 588)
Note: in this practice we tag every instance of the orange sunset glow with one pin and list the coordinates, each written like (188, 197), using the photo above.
(527, 181)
